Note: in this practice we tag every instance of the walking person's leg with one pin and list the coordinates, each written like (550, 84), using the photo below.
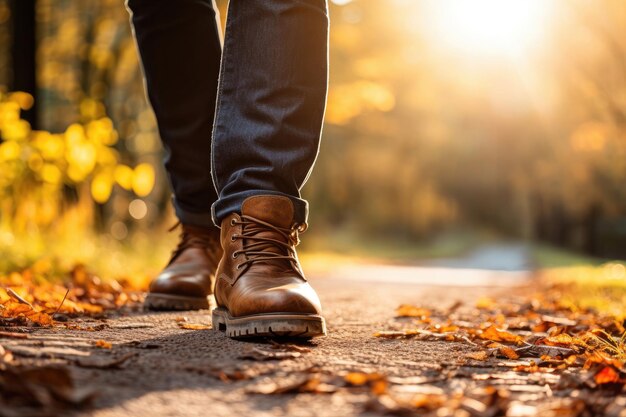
(271, 102)
(180, 49)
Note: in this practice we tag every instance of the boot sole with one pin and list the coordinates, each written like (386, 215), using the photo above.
(168, 302)
(269, 325)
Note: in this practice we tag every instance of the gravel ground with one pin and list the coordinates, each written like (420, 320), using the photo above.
(165, 370)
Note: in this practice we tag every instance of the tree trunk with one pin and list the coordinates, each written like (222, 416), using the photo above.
(23, 53)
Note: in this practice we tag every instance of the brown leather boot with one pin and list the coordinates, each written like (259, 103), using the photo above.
(260, 287)
(185, 283)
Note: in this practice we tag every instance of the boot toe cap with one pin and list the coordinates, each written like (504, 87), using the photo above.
(296, 298)
(191, 284)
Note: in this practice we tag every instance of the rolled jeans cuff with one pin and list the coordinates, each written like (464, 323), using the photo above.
(232, 204)
(203, 219)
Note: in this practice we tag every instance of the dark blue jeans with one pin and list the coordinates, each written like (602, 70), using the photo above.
(243, 121)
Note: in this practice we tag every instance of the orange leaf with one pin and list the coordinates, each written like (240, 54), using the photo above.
(104, 344)
(607, 375)
(477, 356)
(527, 368)
(492, 333)
(406, 310)
(563, 340)
(508, 352)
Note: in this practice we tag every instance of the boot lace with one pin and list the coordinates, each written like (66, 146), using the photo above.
(257, 248)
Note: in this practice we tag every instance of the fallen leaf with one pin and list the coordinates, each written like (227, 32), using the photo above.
(103, 344)
(528, 368)
(18, 298)
(477, 356)
(508, 352)
(375, 381)
(289, 347)
(406, 310)
(258, 354)
(300, 383)
(492, 333)
(194, 326)
(538, 351)
(396, 334)
(607, 375)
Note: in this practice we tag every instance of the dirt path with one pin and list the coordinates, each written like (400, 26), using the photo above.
(165, 370)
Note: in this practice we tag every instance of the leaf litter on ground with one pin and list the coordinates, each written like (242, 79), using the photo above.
(569, 349)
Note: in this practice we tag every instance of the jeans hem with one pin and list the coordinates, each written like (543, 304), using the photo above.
(232, 204)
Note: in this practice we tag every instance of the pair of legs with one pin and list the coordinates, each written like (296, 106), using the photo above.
(251, 113)
(240, 124)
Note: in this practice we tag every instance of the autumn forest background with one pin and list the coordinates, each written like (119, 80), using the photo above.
(437, 135)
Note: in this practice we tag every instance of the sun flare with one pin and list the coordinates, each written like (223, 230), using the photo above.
(489, 26)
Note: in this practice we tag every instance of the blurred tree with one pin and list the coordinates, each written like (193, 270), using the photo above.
(23, 53)
(418, 137)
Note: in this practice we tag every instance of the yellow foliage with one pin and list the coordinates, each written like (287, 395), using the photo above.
(36, 165)
(143, 179)
(101, 187)
(123, 175)
(24, 100)
(9, 151)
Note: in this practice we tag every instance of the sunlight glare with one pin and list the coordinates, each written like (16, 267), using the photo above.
(490, 26)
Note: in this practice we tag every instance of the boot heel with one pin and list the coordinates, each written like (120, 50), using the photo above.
(218, 320)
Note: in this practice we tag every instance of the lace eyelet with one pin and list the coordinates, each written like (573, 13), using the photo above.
(238, 266)
(235, 255)
(233, 222)
(233, 237)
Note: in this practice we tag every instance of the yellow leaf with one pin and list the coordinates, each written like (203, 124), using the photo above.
(101, 187)
(123, 175)
(143, 179)
(24, 100)
(10, 150)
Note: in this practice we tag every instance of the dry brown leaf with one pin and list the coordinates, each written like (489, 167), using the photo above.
(18, 298)
(289, 347)
(607, 375)
(15, 309)
(375, 381)
(259, 354)
(508, 352)
(562, 340)
(492, 333)
(444, 328)
(103, 344)
(528, 368)
(478, 356)
(406, 310)
(194, 326)
(393, 334)
(301, 383)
